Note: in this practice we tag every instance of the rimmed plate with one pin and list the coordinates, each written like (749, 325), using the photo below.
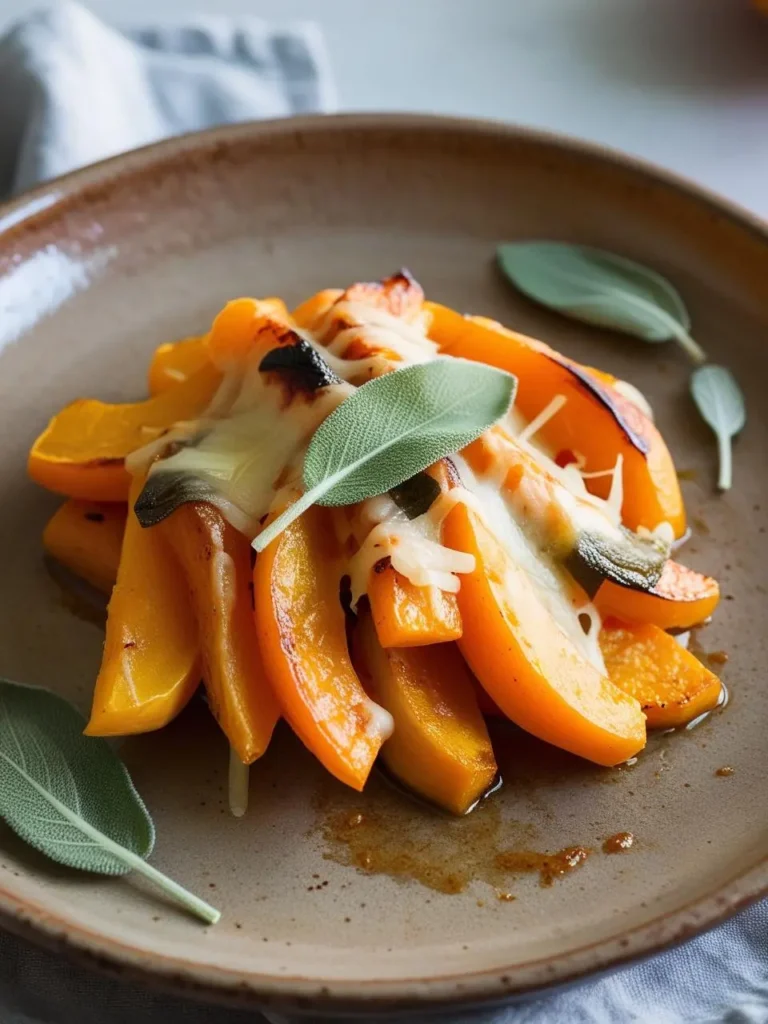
(100, 267)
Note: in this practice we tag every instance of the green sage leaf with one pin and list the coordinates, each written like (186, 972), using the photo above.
(392, 428)
(621, 556)
(70, 796)
(416, 495)
(720, 401)
(598, 287)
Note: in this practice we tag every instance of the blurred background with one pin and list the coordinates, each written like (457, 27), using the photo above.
(683, 83)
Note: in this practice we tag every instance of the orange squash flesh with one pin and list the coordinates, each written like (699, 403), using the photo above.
(150, 667)
(309, 314)
(87, 538)
(672, 685)
(235, 330)
(216, 561)
(584, 424)
(682, 598)
(302, 634)
(175, 361)
(81, 452)
(399, 295)
(440, 747)
(409, 616)
(529, 667)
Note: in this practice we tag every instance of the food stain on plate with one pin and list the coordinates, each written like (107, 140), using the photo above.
(383, 832)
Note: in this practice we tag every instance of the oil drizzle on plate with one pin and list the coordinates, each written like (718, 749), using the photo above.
(383, 832)
(621, 842)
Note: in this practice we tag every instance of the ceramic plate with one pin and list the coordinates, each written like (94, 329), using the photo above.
(99, 268)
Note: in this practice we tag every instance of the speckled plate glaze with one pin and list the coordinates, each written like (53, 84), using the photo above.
(99, 268)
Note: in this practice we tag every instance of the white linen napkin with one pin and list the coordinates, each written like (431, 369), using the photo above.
(73, 90)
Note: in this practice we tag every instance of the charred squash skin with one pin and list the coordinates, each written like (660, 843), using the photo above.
(150, 667)
(672, 685)
(527, 665)
(596, 420)
(216, 561)
(302, 635)
(440, 747)
(87, 538)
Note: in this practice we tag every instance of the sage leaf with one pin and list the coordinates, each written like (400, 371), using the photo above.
(721, 403)
(392, 428)
(598, 287)
(417, 495)
(166, 490)
(70, 796)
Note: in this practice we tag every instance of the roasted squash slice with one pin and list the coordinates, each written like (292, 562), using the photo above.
(530, 668)
(309, 314)
(302, 634)
(175, 361)
(672, 685)
(216, 561)
(440, 747)
(82, 451)
(87, 538)
(682, 598)
(409, 616)
(150, 667)
(595, 420)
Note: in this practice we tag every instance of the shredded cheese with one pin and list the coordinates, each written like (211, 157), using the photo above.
(502, 519)
(546, 414)
(412, 545)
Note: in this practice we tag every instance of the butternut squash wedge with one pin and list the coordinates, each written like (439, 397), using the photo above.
(310, 313)
(302, 633)
(82, 451)
(682, 598)
(596, 420)
(440, 747)
(399, 294)
(527, 664)
(216, 561)
(87, 538)
(235, 331)
(406, 615)
(175, 361)
(409, 616)
(672, 685)
(150, 667)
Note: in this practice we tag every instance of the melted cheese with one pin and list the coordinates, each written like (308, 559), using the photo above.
(412, 545)
(549, 581)
(258, 448)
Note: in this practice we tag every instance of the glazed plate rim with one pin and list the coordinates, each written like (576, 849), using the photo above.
(31, 920)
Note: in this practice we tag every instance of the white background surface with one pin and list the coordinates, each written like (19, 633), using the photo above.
(683, 83)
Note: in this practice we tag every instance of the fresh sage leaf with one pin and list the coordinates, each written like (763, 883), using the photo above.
(165, 490)
(721, 403)
(70, 796)
(621, 556)
(392, 428)
(600, 288)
